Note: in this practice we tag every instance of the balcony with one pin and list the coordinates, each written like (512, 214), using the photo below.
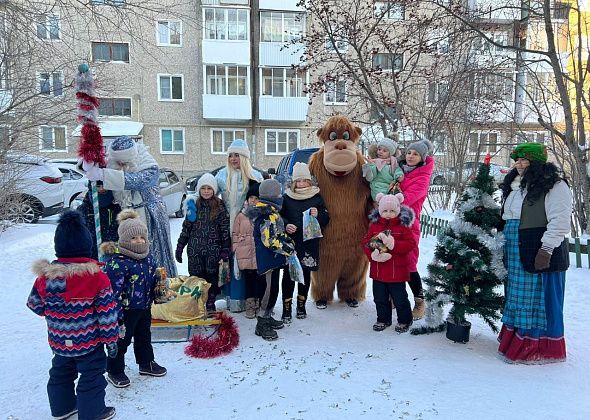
(280, 54)
(290, 5)
(218, 51)
(283, 109)
(227, 107)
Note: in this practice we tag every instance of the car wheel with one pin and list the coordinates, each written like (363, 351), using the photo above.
(180, 213)
(23, 210)
(439, 180)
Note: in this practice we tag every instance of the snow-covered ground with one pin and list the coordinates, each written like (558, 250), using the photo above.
(329, 366)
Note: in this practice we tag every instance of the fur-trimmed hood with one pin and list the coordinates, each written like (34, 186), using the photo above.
(109, 248)
(259, 210)
(406, 216)
(56, 269)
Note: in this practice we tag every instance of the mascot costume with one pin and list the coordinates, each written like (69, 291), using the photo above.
(337, 166)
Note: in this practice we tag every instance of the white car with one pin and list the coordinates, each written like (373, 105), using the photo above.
(74, 179)
(32, 188)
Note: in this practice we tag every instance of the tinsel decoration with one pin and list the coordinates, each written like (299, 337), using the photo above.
(91, 147)
(226, 339)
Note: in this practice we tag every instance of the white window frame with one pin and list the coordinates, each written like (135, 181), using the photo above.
(226, 23)
(439, 42)
(168, 21)
(335, 82)
(285, 37)
(485, 149)
(533, 136)
(226, 78)
(396, 11)
(437, 91)
(46, 24)
(223, 131)
(117, 116)
(299, 82)
(340, 44)
(540, 86)
(481, 46)
(170, 76)
(393, 61)
(51, 84)
(53, 127)
(172, 130)
(95, 60)
(277, 131)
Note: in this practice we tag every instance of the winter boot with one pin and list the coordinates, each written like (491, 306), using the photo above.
(353, 303)
(107, 414)
(402, 328)
(287, 311)
(152, 369)
(419, 308)
(250, 308)
(118, 380)
(67, 415)
(264, 330)
(321, 304)
(301, 313)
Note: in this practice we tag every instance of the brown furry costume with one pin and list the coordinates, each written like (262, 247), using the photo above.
(337, 166)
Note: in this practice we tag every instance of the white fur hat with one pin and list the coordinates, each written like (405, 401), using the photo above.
(123, 149)
(209, 180)
(240, 147)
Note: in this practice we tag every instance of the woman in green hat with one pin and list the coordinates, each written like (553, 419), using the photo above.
(537, 206)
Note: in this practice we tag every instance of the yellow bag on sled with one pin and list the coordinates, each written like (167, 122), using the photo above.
(189, 304)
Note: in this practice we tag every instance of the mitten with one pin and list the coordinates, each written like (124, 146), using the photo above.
(542, 259)
(388, 241)
(367, 173)
(178, 253)
(93, 172)
(380, 257)
(112, 350)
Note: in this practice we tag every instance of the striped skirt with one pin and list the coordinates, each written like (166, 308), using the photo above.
(532, 330)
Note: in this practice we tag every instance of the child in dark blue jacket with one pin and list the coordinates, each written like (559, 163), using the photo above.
(134, 277)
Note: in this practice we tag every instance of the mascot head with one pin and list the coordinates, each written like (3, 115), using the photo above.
(340, 138)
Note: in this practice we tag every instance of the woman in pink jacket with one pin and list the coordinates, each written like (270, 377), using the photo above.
(417, 166)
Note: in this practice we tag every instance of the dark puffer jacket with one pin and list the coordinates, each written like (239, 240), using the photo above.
(206, 238)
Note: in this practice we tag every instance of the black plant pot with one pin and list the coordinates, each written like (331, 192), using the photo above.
(459, 333)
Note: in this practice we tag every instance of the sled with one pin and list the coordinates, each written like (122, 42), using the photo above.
(174, 332)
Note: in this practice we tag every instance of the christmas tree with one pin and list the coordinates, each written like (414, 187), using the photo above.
(467, 269)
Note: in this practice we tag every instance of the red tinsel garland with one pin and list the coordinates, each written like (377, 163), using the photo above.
(226, 340)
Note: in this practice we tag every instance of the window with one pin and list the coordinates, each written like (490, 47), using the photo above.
(226, 80)
(388, 62)
(110, 51)
(114, 107)
(172, 140)
(51, 84)
(439, 43)
(335, 92)
(221, 138)
(170, 87)
(482, 46)
(437, 91)
(48, 27)
(534, 136)
(281, 82)
(440, 140)
(53, 138)
(226, 24)
(561, 11)
(390, 10)
(483, 142)
(497, 87)
(540, 86)
(336, 43)
(281, 142)
(169, 33)
(280, 26)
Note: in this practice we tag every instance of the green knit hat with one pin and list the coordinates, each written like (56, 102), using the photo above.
(530, 151)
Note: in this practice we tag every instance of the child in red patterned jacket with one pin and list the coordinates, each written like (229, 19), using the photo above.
(77, 301)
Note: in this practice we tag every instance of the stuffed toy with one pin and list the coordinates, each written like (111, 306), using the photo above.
(337, 167)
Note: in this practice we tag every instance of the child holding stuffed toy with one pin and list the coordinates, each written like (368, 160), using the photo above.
(206, 231)
(302, 195)
(383, 171)
(134, 277)
(388, 242)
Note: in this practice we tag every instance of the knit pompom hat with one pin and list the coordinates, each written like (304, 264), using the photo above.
(389, 145)
(208, 180)
(130, 225)
(271, 193)
(300, 171)
(389, 202)
(72, 238)
(530, 151)
(123, 149)
(240, 147)
(422, 147)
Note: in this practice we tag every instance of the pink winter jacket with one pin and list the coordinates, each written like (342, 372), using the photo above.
(414, 187)
(242, 240)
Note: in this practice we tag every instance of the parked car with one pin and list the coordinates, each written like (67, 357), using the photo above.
(191, 182)
(173, 191)
(469, 172)
(74, 180)
(32, 188)
(285, 167)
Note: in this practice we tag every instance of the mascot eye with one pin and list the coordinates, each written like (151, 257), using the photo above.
(346, 135)
(333, 135)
